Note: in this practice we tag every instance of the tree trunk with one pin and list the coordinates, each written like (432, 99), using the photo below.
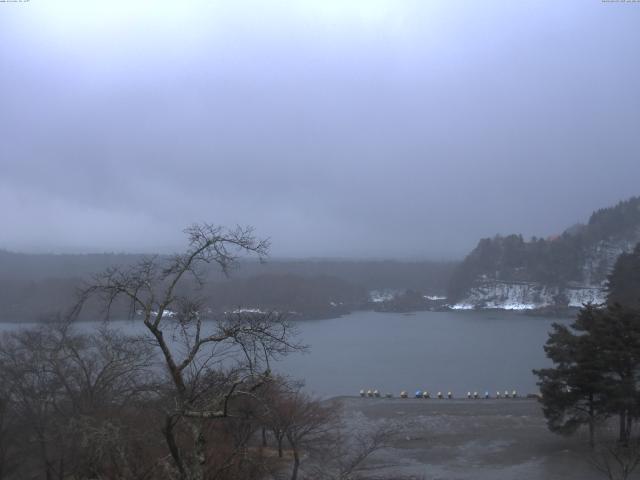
(264, 436)
(592, 422)
(296, 464)
(200, 453)
(45, 460)
(173, 447)
(624, 434)
(61, 469)
(280, 446)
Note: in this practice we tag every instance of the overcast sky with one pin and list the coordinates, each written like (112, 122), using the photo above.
(369, 128)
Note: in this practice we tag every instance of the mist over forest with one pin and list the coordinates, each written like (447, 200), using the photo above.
(43, 286)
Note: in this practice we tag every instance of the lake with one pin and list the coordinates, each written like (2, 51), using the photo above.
(437, 351)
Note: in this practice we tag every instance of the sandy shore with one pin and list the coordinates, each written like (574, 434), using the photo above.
(471, 439)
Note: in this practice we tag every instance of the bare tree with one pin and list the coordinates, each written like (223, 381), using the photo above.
(309, 419)
(292, 415)
(615, 460)
(9, 434)
(345, 453)
(58, 384)
(209, 364)
(35, 397)
(274, 414)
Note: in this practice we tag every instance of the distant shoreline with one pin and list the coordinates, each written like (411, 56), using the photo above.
(565, 313)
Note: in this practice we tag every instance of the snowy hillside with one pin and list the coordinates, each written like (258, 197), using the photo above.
(560, 271)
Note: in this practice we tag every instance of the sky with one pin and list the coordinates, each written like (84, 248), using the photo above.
(337, 128)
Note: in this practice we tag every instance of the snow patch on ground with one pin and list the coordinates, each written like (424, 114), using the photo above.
(379, 296)
(239, 311)
(579, 296)
(154, 313)
(511, 306)
(462, 306)
(602, 256)
(509, 296)
(528, 296)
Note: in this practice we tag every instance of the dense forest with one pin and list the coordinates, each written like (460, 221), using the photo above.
(583, 254)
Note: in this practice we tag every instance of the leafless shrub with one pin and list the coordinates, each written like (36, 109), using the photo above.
(616, 461)
(59, 385)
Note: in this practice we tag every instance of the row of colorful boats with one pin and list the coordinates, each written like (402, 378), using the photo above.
(440, 395)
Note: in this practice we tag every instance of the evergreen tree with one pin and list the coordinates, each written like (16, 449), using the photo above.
(573, 391)
(596, 371)
(624, 280)
(616, 332)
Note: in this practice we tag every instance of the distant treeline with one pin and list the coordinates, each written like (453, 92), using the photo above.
(40, 286)
(556, 260)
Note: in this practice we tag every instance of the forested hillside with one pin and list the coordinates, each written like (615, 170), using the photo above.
(580, 258)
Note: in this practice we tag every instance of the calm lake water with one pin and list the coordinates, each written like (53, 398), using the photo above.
(456, 351)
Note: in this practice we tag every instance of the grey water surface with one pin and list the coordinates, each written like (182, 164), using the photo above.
(437, 351)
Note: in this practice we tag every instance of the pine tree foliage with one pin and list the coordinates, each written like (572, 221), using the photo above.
(573, 391)
(596, 360)
(624, 281)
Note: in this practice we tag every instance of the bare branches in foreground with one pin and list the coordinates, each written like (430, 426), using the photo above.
(192, 398)
(615, 460)
(211, 366)
(59, 388)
